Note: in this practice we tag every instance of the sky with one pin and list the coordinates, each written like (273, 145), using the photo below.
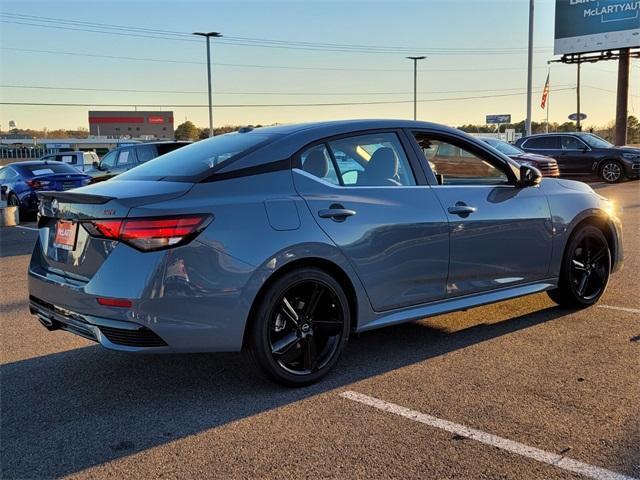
(476, 61)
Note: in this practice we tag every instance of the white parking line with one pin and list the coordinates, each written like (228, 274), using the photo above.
(489, 439)
(622, 309)
(26, 228)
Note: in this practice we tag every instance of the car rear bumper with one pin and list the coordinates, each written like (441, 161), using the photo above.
(112, 334)
(187, 299)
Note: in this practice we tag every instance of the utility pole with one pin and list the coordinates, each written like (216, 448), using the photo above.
(622, 98)
(415, 84)
(208, 37)
(529, 70)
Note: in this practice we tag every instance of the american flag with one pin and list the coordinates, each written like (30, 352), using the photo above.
(545, 93)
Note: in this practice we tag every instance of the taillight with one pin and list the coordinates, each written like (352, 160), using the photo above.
(150, 233)
(37, 184)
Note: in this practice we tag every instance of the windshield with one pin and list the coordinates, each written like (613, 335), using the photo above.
(503, 147)
(595, 141)
(47, 169)
(189, 163)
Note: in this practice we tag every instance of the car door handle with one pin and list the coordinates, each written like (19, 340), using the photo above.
(336, 212)
(461, 209)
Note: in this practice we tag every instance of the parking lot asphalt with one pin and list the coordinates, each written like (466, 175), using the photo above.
(525, 372)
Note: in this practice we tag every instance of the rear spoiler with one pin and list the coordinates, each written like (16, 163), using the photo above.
(71, 197)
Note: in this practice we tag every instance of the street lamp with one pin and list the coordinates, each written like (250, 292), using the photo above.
(415, 84)
(208, 37)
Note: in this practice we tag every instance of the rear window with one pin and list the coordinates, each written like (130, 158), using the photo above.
(46, 169)
(189, 163)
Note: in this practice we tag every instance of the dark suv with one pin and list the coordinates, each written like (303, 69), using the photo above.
(121, 159)
(585, 154)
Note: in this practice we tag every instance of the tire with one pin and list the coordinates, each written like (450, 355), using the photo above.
(300, 327)
(585, 270)
(611, 171)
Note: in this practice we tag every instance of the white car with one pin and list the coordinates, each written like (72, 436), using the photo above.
(81, 161)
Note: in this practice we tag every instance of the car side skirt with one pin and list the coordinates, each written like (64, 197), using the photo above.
(459, 303)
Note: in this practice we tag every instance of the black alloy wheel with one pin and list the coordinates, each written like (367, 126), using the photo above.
(301, 328)
(585, 271)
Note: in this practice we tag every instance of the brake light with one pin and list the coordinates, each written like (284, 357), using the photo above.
(148, 234)
(115, 302)
(37, 184)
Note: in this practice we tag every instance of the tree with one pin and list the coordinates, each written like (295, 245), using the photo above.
(187, 131)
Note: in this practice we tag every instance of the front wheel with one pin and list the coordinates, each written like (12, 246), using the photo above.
(300, 327)
(611, 171)
(585, 269)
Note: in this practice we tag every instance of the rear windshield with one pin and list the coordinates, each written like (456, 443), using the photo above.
(191, 163)
(46, 169)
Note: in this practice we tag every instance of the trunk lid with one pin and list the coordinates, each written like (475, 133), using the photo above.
(82, 257)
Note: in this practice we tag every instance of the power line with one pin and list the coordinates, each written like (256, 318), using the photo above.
(238, 65)
(332, 104)
(127, 90)
(142, 32)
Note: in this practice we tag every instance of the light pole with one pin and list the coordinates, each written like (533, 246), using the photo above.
(415, 84)
(529, 70)
(208, 37)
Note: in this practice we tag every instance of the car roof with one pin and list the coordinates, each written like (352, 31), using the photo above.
(26, 163)
(345, 126)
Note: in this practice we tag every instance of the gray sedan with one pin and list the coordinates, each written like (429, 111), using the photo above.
(283, 241)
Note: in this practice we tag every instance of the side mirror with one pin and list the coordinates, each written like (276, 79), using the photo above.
(529, 176)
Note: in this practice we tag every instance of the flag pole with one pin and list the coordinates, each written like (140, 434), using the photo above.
(548, 98)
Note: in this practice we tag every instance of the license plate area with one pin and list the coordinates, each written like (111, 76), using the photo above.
(66, 235)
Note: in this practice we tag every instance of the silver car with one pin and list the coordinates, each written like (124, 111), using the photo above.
(282, 241)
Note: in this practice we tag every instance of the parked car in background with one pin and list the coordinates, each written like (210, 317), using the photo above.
(583, 153)
(81, 161)
(286, 240)
(21, 181)
(547, 165)
(122, 159)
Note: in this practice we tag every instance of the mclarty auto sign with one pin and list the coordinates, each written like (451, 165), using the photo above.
(594, 25)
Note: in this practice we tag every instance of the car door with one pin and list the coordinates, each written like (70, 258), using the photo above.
(575, 157)
(500, 233)
(375, 206)
(548, 145)
(126, 160)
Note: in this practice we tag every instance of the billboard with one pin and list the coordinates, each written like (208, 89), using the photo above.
(503, 118)
(594, 25)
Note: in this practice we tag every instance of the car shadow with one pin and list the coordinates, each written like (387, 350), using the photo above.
(16, 241)
(68, 411)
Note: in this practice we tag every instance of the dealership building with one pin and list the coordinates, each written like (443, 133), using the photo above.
(133, 124)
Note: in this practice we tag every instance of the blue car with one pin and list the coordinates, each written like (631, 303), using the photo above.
(21, 181)
(283, 241)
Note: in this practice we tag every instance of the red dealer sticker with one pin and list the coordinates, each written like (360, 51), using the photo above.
(65, 235)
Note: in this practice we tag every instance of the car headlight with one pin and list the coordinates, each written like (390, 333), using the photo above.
(631, 156)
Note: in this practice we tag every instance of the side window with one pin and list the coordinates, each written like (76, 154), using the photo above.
(65, 158)
(372, 160)
(571, 143)
(317, 162)
(543, 143)
(146, 153)
(109, 160)
(126, 157)
(454, 165)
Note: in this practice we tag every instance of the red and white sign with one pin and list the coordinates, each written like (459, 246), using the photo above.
(155, 119)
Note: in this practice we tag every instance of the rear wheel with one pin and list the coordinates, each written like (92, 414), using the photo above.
(300, 327)
(611, 171)
(585, 269)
